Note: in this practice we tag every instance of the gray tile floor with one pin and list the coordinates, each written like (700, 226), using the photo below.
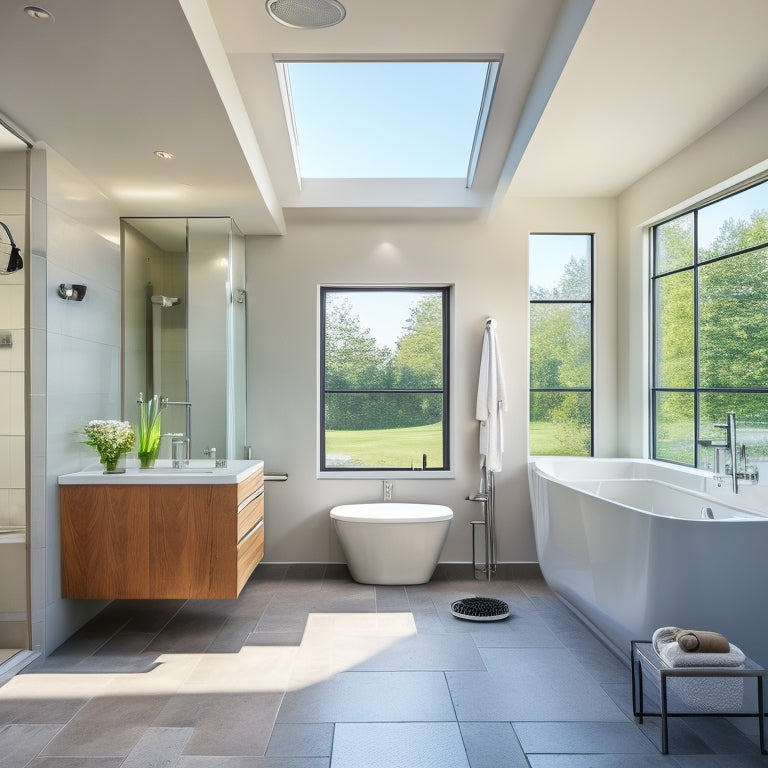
(308, 669)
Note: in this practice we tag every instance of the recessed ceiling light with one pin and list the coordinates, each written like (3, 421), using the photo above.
(163, 155)
(38, 13)
(306, 14)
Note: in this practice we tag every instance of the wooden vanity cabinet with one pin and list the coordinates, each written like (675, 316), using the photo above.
(130, 541)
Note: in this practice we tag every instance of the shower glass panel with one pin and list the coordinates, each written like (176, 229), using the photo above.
(184, 329)
(14, 612)
(236, 397)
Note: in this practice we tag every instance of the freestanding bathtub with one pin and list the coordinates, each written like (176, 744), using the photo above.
(634, 545)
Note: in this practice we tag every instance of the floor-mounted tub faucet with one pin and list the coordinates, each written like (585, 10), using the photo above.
(730, 445)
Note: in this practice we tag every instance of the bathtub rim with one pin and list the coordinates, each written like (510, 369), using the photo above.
(750, 513)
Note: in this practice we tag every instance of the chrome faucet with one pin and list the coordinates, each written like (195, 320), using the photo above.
(730, 445)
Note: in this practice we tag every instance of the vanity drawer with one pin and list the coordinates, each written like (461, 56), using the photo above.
(250, 513)
(250, 552)
(250, 485)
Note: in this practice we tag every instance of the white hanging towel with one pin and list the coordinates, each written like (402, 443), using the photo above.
(491, 400)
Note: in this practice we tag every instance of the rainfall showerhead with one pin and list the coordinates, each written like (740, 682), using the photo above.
(164, 301)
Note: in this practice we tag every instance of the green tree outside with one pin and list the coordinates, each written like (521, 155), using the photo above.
(370, 413)
(732, 316)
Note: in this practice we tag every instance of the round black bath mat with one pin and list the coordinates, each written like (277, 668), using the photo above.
(480, 609)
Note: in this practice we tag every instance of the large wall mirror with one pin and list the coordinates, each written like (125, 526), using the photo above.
(184, 305)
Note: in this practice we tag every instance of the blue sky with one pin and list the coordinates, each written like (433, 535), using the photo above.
(549, 254)
(738, 206)
(369, 119)
(384, 313)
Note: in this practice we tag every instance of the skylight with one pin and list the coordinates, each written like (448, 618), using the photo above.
(387, 119)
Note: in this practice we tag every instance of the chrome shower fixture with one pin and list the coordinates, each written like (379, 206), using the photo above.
(164, 301)
(72, 292)
(15, 262)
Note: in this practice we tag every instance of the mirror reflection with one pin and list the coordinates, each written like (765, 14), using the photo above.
(184, 306)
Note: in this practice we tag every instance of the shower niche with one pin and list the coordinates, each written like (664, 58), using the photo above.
(184, 306)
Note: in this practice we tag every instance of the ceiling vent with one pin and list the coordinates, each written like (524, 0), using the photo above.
(306, 14)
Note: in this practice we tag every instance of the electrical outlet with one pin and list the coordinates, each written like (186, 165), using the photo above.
(6, 339)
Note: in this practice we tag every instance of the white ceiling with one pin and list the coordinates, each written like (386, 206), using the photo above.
(108, 82)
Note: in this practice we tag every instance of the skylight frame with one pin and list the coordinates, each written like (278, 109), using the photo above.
(493, 65)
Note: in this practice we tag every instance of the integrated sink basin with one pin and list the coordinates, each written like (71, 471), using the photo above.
(203, 471)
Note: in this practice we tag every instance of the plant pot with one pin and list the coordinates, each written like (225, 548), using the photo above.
(147, 459)
(110, 467)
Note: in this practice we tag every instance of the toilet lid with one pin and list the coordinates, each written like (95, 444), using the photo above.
(392, 512)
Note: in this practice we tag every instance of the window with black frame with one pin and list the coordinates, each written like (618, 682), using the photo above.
(710, 329)
(561, 319)
(384, 379)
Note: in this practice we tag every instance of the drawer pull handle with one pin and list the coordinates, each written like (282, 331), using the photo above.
(248, 534)
(249, 499)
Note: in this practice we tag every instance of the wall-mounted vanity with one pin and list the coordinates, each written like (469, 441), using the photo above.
(196, 532)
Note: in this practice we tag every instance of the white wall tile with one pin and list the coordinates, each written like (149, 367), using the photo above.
(12, 358)
(5, 402)
(81, 371)
(95, 318)
(17, 507)
(38, 289)
(38, 368)
(17, 462)
(11, 304)
(17, 401)
(5, 458)
(37, 490)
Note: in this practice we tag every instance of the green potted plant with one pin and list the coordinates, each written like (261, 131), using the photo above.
(148, 430)
(111, 439)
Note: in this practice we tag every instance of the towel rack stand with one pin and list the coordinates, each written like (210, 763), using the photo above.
(486, 498)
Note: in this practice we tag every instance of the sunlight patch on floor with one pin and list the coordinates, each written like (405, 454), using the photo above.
(331, 643)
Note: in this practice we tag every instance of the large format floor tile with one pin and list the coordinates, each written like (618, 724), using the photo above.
(530, 684)
(405, 745)
(371, 697)
(308, 669)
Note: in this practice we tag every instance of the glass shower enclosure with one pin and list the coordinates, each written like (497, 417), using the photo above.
(184, 324)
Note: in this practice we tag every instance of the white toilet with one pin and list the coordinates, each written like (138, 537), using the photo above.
(392, 543)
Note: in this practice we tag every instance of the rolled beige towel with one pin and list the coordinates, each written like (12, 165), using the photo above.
(698, 641)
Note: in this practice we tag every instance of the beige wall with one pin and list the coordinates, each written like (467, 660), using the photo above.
(487, 263)
(732, 153)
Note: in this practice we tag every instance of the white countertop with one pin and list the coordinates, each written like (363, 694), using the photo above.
(197, 471)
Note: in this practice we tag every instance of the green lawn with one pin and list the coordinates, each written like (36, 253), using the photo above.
(385, 447)
(546, 438)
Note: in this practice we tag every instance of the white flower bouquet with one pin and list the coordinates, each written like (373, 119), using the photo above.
(111, 439)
